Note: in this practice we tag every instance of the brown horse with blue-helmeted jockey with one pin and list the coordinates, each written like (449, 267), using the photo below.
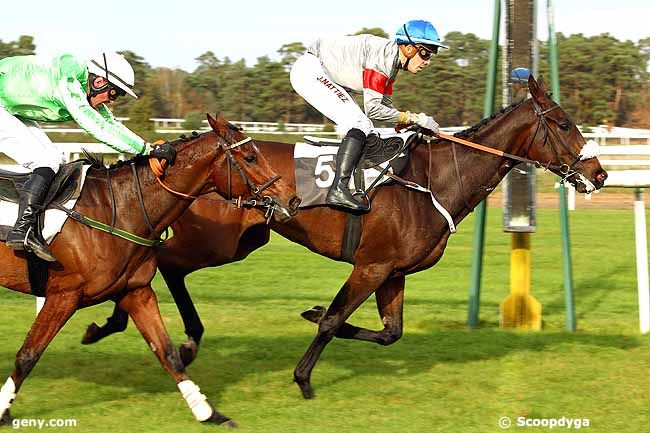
(401, 235)
(94, 265)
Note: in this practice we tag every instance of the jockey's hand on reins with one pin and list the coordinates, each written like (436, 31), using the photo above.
(164, 151)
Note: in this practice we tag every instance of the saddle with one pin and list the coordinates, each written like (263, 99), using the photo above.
(63, 188)
(314, 157)
(64, 185)
(377, 151)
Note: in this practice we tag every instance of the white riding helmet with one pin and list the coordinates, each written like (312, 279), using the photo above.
(115, 68)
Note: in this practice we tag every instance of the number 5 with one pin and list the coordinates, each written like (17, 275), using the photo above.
(322, 166)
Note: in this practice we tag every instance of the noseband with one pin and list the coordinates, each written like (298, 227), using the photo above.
(566, 170)
(260, 200)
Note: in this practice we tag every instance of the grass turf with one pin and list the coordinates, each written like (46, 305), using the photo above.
(441, 377)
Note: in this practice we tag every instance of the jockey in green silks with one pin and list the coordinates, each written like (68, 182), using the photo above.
(63, 88)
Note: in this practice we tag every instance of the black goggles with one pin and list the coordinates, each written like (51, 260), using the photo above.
(115, 92)
(425, 52)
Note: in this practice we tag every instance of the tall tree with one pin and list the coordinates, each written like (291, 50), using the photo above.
(377, 31)
(23, 46)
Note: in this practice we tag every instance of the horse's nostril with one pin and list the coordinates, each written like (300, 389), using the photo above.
(601, 176)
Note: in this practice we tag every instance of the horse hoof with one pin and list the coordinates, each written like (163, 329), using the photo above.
(188, 352)
(306, 389)
(314, 314)
(230, 424)
(6, 418)
(92, 334)
(221, 420)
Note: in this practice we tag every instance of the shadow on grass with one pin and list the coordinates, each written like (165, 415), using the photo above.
(228, 360)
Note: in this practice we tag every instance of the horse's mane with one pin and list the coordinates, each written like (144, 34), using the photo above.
(475, 128)
(97, 160)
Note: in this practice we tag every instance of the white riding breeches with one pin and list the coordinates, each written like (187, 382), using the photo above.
(27, 144)
(311, 82)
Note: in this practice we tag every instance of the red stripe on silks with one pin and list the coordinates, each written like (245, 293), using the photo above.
(389, 88)
(377, 81)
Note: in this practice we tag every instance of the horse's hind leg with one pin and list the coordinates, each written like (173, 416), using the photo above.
(362, 283)
(116, 323)
(193, 327)
(390, 303)
(56, 311)
(142, 306)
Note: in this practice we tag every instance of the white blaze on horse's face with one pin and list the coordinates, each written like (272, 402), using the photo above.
(591, 149)
(590, 187)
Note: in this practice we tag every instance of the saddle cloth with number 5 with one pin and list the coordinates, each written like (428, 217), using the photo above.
(315, 165)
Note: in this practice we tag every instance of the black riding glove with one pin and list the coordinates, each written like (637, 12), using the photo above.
(164, 151)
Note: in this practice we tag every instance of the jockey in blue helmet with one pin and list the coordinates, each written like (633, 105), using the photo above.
(418, 37)
(365, 64)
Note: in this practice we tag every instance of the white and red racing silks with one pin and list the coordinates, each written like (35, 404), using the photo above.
(366, 64)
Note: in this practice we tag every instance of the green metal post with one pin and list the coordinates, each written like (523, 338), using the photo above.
(479, 225)
(564, 214)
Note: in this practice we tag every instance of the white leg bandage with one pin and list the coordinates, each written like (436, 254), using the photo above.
(7, 395)
(195, 400)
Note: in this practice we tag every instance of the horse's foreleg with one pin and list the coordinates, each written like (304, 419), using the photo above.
(117, 322)
(390, 303)
(56, 311)
(193, 327)
(362, 283)
(142, 306)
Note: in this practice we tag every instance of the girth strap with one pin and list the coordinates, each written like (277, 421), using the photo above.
(106, 228)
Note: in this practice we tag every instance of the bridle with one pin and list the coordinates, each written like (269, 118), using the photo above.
(259, 200)
(158, 168)
(565, 170)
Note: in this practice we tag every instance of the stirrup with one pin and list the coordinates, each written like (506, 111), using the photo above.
(349, 205)
(366, 200)
(38, 248)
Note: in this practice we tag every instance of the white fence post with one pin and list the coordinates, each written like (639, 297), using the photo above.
(641, 261)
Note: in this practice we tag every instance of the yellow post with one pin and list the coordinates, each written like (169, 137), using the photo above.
(520, 309)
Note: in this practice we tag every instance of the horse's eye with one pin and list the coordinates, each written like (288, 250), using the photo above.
(565, 126)
(250, 159)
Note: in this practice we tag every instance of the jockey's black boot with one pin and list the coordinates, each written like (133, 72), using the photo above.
(26, 233)
(348, 155)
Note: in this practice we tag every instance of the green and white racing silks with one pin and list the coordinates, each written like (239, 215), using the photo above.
(54, 90)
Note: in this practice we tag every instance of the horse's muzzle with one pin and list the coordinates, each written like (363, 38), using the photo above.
(283, 213)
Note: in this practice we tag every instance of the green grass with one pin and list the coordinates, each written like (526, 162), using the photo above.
(441, 377)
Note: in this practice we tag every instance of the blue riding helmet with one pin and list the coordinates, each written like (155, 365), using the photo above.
(418, 32)
(519, 75)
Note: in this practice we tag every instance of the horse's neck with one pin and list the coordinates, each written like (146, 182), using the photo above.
(509, 133)
(471, 176)
(161, 207)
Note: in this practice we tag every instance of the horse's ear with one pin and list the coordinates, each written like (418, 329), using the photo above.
(212, 122)
(536, 90)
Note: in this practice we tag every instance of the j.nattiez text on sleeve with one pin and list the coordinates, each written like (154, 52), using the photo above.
(364, 64)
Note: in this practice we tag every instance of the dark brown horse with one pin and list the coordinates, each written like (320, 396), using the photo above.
(94, 266)
(402, 234)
